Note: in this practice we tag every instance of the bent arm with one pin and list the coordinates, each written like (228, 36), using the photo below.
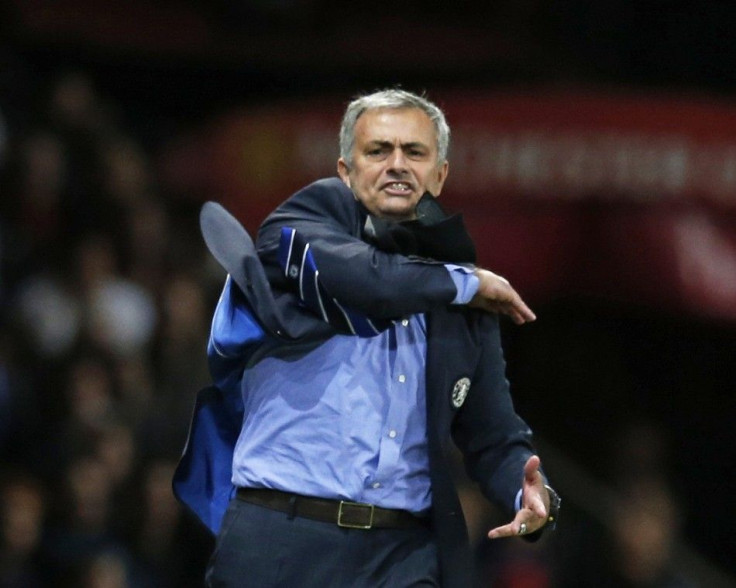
(375, 283)
(328, 222)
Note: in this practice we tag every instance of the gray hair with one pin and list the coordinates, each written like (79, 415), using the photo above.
(393, 99)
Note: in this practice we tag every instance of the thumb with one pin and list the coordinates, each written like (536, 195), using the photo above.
(531, 468)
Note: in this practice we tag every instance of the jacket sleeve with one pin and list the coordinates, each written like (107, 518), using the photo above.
(328, 220)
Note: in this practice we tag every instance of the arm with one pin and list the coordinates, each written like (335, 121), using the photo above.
(326, 217)
(497, 444)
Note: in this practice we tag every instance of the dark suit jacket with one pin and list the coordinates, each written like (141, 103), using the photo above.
(463, 345)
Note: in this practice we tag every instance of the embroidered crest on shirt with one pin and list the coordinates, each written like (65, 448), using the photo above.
(460, 392)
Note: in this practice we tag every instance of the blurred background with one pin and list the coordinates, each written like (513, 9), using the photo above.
(594, 158)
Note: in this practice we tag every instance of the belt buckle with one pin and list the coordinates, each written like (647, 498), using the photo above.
(340, 513)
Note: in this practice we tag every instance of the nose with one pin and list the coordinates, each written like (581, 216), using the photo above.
(397, 161)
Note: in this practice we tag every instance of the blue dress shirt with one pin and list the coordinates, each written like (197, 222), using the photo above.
(345, 419)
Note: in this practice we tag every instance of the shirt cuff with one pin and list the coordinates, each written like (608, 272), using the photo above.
(517, 502)
(466, 282)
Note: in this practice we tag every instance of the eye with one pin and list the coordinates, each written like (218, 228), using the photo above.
(416, 152)
(376, 152)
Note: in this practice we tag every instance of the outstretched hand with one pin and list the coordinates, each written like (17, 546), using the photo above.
(495, 294)
(534, 504)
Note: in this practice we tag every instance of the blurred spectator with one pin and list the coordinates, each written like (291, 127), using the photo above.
(184, 335)
(634, 548)
(642, 451)
(137, 387)
(95, 388)
(22, 518)
(148, 242)
(35, 184)
(121, 315)
(90, 397)
(107, 569)
(116, 449)
(646, 526)
(126, 178)
(182, 363)
(83, 510)
(85, 124)
(49, 314)
(646, 520)
(19, 405)
(90, 490)
(75, 106)
(163, 542)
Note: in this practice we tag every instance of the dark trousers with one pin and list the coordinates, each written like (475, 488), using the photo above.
(264, 548)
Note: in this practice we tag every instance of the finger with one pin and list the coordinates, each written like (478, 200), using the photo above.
(536, 505)
(511, 309)
(517, 314)
(534, 492)
(513, 528)
(525, 516)
(516, 317)
(510, 530)
(531, 469)
(526, 313)
(517, 309)
(521, 307)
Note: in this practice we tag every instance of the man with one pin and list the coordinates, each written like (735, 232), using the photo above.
(376, 342)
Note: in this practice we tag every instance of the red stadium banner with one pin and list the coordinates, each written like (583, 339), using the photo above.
(626, 197)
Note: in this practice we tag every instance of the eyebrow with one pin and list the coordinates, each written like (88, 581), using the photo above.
(387, 144)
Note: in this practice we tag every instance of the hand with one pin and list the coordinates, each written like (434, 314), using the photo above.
(495, 294)
(534, 505)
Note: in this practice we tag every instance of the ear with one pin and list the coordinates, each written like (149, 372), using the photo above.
(441, 176)
(343, 171)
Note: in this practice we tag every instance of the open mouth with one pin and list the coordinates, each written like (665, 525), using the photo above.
(398, 188)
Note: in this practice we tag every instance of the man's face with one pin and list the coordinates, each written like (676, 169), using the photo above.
(394, 162)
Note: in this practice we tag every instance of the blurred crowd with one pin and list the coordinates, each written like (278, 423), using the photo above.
(105, 313)
(106, 292)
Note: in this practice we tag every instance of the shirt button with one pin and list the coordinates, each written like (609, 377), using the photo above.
(376, 484)
(392, 434)
(402, 378)
(405, 323)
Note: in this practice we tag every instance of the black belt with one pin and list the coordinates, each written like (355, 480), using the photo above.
(351, 515)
